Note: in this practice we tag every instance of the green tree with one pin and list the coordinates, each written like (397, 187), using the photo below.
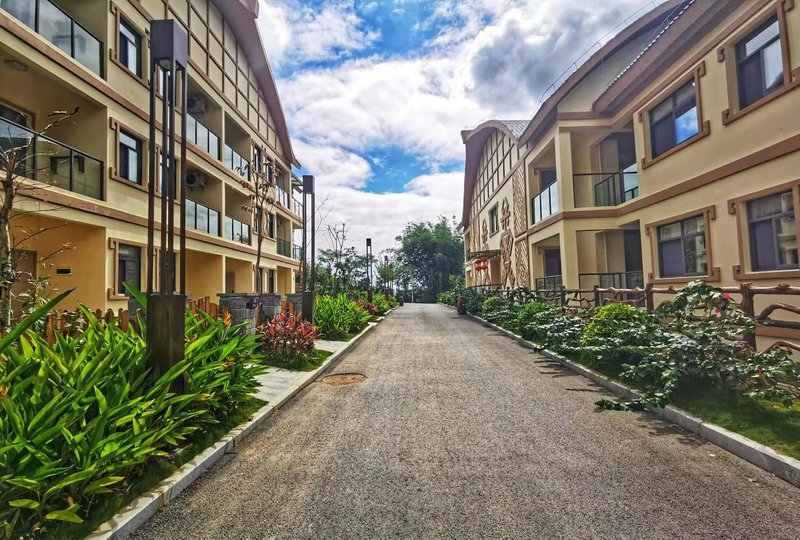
(429, 254)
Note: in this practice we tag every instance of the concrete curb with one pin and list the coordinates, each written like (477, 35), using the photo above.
(759, 455)
(141, 509)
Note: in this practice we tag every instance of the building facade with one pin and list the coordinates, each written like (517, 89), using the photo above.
(670, 155)
(82, 220)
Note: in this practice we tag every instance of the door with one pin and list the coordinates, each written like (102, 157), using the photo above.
(552, 262)
(230, 282)
(633, 258)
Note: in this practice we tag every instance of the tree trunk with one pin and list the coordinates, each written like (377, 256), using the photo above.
(7, 272)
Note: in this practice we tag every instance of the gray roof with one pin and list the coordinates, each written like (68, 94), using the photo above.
(516, 127)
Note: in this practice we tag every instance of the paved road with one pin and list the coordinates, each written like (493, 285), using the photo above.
(461, 433)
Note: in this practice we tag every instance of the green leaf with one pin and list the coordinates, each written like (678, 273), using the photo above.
(64, 515)
(102, 404)
(20, 328)
(99, 486)
(30, 504)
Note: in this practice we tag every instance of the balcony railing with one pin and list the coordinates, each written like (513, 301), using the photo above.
(237, 231)
(202, 218)
(52, 162)
(236, 162)
(54, 25)
(607, 280)
(549, 282)
(297, 252)
(201, 136)
(284, 247)
(282, 197)
(545, 204)
(605, 189)
(297, 207)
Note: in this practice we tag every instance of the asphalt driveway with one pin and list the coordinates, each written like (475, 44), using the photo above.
(459, 432)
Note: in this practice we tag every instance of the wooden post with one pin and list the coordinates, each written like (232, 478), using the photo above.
(563, 296)
(648, 298)
(596, 296)
(749, 308)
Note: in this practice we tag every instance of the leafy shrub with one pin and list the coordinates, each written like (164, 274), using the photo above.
(699, 339)
(474, 301)
(500, 311)
(383, 305)
(83, 416)
(547, 326)
(447, 298)
(532, 316)
(339, 317)
(370, 307)
(610, 339)
(288, 341)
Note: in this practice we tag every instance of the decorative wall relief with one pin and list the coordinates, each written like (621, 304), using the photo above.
(506, 272)
(523, 256)
(520, 203)
(484, 236)
(505, 215)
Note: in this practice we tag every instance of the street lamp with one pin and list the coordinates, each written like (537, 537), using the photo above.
(166, 331)
(369, 270)
(308, 295)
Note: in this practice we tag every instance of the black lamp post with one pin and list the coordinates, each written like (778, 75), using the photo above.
(165, 308)
(308, 295)
(369, 270)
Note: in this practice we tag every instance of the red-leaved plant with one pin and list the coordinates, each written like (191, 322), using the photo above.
(287, 337)
(370, 307)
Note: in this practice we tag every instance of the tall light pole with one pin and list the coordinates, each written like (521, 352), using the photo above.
(310, 197)
(169, 46)
(369, 270)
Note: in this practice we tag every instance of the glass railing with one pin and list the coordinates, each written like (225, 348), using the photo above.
(201, 136)
(297, 207)
(284, 247)
(237, 231)
(545, 204)
(202, 218)
(53, 24)
(605, 189)
(53, 163)
(235, 162)
(549, 282)
(282, 197)
(297, 252)
(608, 280)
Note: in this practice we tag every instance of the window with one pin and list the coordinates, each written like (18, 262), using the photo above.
(129, 267)
(271, 281)
(130, 48)
(682, 248)
(773, 235)
(759, 63)
(674, 120)
(130, 157)
(271, 225)
(494, 222)
(547, 177)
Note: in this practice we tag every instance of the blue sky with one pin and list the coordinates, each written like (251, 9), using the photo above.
(376, 92)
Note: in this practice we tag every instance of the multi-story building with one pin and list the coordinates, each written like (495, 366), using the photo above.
(670, 155)
(82, 219)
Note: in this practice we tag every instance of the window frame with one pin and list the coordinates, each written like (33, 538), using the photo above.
(677, 110)
(772, 219)
(115, 292)
(644, 116)
(115, 52)
(682, 238)
(494, 219)
(123, 159)
(129, 35)
(713, 274)
(744, 58)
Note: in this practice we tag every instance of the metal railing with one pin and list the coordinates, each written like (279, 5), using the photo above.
(605, 189)
(549, 282)
(282, 197)
(237, 231)
(297, 252)
(545, 204)
(201, 136)
(52, 162)
(236, 162)
(284, 247)
(202, 218)
(607, 280)
(53, 24)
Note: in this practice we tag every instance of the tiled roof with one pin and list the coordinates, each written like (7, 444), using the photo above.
(516, 127)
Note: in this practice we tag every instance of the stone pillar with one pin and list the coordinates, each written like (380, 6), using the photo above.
(296, 301)
(242, 307)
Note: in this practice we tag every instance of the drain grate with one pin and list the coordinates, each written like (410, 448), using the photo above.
(341, 379)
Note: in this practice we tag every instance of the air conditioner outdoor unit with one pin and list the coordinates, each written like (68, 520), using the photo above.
(196, 180)
(197, 104)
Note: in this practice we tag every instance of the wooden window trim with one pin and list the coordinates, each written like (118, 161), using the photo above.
(726, 54)
(113, 245)
(738, 208)
(643, 115)
(709, 214)
(113, 52)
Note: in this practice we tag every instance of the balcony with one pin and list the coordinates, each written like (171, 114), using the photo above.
(616, 280)
(236, 231)
(201, 136)
(297, 253)
(284, 247)
(282, 197)
(545, 204)
(54, 25)
(235, 162)
(605, 189)
(297, 207)
(53, 163)
(202, 218)
(549, 282)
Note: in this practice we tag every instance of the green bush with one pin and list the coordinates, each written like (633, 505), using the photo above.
(339, 317)
(548, 327)
(82, 417)
(500, 311)
(532, 316)
(474, 301)
(613, 335)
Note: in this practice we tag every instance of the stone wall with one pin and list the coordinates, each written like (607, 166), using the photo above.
(243, 306)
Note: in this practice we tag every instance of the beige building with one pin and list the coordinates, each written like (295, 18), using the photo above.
(91, 173)
(670, 155)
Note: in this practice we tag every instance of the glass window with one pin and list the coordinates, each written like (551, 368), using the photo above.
(773, 234)
(271, 281)
(674, 120)
(759, 63)
(130, 157)
(191, 210)
(129, 267)
(494, 223)
(213, 222)
(682, 248)
(130, 48)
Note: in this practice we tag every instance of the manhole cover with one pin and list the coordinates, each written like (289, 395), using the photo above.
(341, 379)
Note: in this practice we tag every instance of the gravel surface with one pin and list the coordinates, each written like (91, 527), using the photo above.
(459, 432)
